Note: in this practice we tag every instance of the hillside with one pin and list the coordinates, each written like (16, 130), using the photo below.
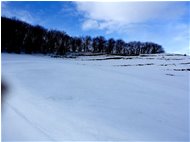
(96, 98)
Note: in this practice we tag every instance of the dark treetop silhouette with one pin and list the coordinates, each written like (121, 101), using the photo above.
(21, 37)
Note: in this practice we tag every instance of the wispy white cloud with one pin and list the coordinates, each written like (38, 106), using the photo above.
(109, 14)
(4, 4)
(162, 22)
(68, 9)
(88, 24)
(22, 14)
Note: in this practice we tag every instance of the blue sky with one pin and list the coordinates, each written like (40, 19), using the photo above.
(166, 23)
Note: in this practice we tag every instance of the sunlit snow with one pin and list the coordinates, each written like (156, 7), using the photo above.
(96, 98)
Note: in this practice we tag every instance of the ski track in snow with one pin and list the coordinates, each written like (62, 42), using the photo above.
(95, 100)
(36, 127)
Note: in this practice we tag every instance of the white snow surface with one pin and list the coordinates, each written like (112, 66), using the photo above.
(85, 99)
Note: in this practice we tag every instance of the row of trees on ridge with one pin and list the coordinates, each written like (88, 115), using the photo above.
(21, 37)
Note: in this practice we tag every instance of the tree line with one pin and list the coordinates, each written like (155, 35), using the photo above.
(20, 37)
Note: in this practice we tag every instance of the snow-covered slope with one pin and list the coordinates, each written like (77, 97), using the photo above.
(96, 98)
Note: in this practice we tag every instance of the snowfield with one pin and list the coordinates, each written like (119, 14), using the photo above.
(93, 98)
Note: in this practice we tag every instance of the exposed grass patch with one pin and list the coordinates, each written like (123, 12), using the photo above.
(148, 64)
(181, 69)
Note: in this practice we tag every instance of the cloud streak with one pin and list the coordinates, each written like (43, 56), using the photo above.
(109, 14)
(155, 21)
(22, 14)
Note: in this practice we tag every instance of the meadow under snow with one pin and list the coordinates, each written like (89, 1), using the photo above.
(136, 98)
